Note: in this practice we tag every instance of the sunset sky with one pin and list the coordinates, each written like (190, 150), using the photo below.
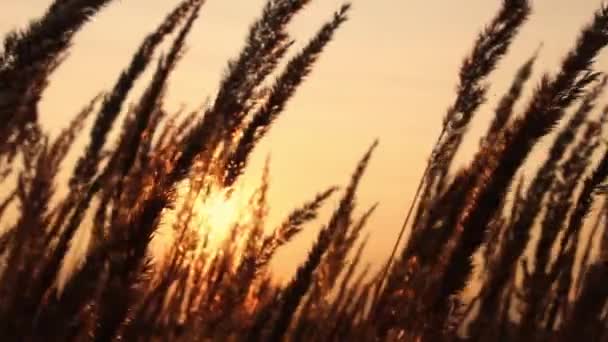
(390, 74)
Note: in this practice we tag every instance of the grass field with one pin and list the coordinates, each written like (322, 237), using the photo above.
(157, 238)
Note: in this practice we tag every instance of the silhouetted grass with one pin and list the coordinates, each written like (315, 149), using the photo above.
(542, 274)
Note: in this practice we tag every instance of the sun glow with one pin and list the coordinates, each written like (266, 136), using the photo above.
(222, 210)
(213, 214)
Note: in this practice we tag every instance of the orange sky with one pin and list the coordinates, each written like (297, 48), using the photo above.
(390, 73)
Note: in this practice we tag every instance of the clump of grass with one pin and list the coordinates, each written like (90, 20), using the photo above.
(166, 171)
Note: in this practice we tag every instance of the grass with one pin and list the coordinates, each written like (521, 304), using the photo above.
(166, 172)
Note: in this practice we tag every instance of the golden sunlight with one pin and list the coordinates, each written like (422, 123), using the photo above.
(211, 214)
(222, 210)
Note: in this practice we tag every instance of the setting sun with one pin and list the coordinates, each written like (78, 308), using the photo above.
(222, 210)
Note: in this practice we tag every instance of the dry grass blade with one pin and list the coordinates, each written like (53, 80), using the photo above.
(296, 289)
(28, 58)
(291, 227)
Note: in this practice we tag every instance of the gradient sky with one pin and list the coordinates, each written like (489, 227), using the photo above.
(390, 73)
